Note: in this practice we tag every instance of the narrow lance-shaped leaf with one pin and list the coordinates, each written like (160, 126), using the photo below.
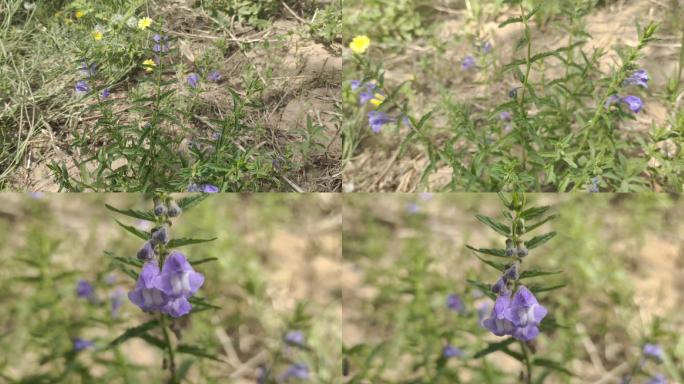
(489, 251)
(494, 347)
(134, 332)
(135, 231)
(175, 243)
(539, 240)
(149, 216)
(498, 227)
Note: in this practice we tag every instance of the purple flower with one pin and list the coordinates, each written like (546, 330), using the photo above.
(612, 99)
(450, 351)
(81, 344)
(639, 78)
(406, 121)
(162, 43)
(82, 87)
(377, 119)
(88, 70)
(159, 236)
(214, 76)
(468, 63)
(355, 84)
(146, 294)
(146, 252)
(117, 299)
(487, 47)
(497, 322)
(105, 94)
(110, 278)
(634, 103)
(206, 188)
(455, 303)
(594, 187)
(295, 337)
(526, 314)
(369, 94)
(177, 278)
(85, 290)
(412, 208)
(298, 371)
(658, 378)
(654, 351)
(193, 80)
(505, 116)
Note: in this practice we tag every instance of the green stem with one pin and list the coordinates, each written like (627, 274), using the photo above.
(169, 347)
(528, 363)
(528, 65)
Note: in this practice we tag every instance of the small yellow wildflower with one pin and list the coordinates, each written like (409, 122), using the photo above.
(377, 99)
(360, 44)
(79, 14)
(144, 23)
(149, 65)
(97, 35)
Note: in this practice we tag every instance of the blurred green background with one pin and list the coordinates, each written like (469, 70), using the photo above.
(621, 257)
(277, 270)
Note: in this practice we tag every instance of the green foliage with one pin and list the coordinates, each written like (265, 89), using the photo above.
(560, 133)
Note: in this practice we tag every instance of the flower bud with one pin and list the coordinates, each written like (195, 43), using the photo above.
(146, 252)
(512, 272)
(159, 236)
(522, 252)
(511, 251)
(173, 209)
(160, 209)
(500, 285)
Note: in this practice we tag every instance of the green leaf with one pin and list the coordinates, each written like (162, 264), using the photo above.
(196, 351)
(190, 201)
(201, 261)
(149, 216)
(494, 347)
(141, 234)
(539, 240)
(486, 289)
(534, 273)
(155, 341)
(502, 229)
(489, 251)
(551, 364)
(531, 213)
(538, 289)
(498, 266)
(134, 332)
(532, 227)
(202, 303)
(175, 243)
(511, 20)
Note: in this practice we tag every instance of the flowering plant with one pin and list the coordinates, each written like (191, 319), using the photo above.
(517, 314)
(533, 131)
(167, 293)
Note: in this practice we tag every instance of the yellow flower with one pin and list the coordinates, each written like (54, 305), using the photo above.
(360, 44)
(144, 23)
(377, 99)
(97, 35)
(79, 14)
(149, 65)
